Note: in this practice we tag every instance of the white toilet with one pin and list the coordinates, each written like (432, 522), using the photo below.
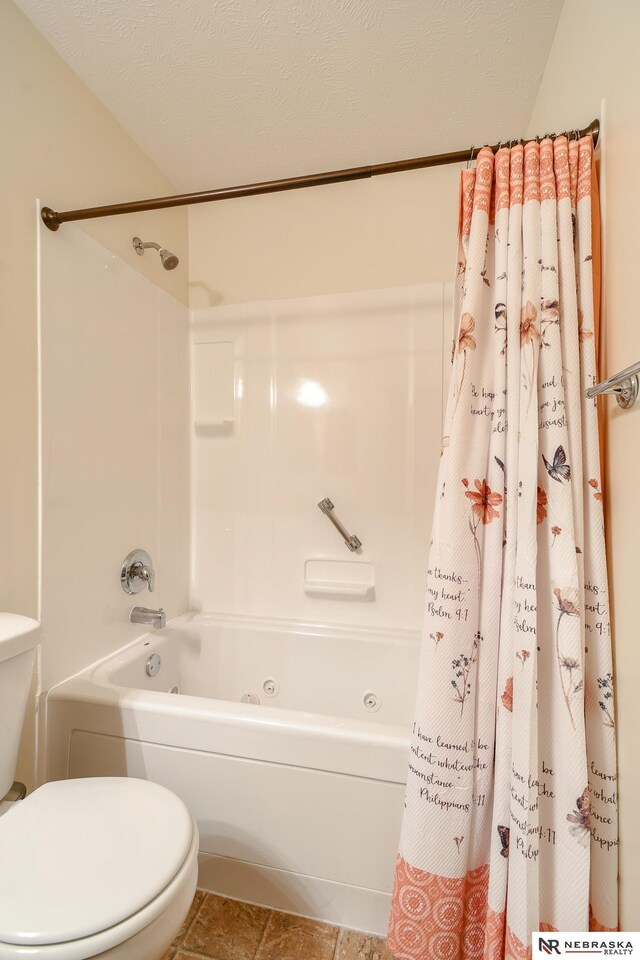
(101, 867)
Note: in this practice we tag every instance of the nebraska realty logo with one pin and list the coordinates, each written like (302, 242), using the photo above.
(607, 944)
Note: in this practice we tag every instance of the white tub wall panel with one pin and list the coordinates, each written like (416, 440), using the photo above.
(358, 908)
(359, 450)
(226, 572)
(372, 447)
(263, 486)
(174, 449)
(114, 448)
(212, 384)
(326, 825)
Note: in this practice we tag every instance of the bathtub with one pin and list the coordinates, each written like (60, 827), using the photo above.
(289, 743)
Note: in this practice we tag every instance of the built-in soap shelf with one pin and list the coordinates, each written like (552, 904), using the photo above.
(339, 578)
(213, 394)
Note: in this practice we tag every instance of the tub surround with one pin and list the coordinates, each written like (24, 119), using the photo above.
(293, 401)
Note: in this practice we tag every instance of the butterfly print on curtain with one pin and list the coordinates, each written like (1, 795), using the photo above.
(558, 470)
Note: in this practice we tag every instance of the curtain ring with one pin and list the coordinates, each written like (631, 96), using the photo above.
(470, 160)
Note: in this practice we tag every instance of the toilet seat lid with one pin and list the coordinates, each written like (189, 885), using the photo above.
(80, 856)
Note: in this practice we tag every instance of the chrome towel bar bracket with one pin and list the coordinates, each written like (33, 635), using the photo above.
(624, 385)
(350, 539)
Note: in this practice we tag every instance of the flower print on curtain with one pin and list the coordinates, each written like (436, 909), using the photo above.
(510, 817)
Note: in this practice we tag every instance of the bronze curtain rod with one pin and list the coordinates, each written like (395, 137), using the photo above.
(54, 219)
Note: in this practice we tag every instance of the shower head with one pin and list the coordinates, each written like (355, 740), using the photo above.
(168, 259)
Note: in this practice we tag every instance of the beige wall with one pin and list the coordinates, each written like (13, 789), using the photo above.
(59, 144)
(594, 57)
(390, 231)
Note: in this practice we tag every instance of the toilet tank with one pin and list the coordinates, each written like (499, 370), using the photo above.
(19, 637)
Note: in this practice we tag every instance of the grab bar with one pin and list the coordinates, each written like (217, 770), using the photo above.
(624, 385)
(350, 539)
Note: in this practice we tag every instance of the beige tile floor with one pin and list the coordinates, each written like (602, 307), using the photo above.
(221, 929)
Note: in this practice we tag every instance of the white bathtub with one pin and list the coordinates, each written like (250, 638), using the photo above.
(298, 798)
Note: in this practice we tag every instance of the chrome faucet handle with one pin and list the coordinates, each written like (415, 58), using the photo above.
(145, 573)
(137, 572)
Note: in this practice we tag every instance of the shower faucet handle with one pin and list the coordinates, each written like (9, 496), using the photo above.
(137, 572)
(145, 573)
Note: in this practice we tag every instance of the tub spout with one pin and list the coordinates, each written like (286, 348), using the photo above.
(157, 618)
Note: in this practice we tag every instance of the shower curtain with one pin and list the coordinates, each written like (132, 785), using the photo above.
(510, 813)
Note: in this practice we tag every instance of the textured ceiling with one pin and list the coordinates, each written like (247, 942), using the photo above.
(219, 92)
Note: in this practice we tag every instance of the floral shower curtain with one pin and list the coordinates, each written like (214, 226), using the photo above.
(510, 815)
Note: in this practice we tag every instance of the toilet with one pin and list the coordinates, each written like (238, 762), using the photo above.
(98, 867)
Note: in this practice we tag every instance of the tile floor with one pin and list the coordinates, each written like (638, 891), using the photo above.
(221, 929)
